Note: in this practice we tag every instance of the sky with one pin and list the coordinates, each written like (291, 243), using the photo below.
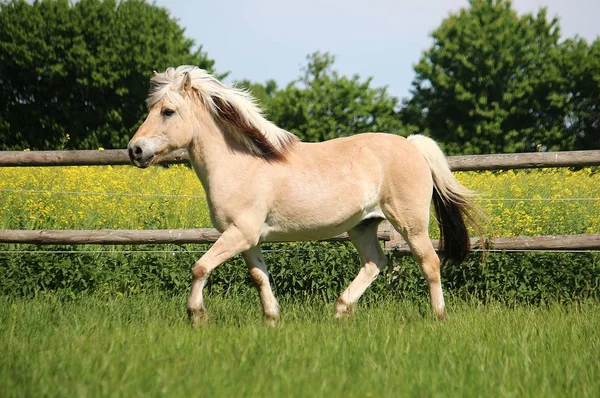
(270, 39)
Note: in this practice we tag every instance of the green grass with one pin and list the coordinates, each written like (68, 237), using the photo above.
(141, 345)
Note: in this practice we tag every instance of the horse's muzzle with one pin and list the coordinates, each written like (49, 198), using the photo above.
(138, 157)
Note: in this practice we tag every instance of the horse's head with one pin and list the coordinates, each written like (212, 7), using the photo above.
(169, 123)
(186, 101)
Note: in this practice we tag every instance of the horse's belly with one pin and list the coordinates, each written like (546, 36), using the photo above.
(299, 230)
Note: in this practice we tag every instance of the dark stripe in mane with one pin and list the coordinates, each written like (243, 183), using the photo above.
(231, 115)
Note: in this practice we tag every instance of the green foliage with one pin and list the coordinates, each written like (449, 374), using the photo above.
(322, 105)
(311, 271)
(495, 82)
(75, 75)
(82, 69)
(581, 63)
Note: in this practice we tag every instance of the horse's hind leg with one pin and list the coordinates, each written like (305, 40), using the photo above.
(423, 251)
(258, 270)
(373, 259)
(425, 254)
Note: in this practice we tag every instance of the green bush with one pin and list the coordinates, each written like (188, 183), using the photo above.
(312, 270)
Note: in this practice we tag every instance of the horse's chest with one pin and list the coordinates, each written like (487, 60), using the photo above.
(218, 216)
(226, 210)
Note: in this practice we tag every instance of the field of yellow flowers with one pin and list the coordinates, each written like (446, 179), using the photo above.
(111, 197)
(526, 202)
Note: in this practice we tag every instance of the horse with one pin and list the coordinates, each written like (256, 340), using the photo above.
(263, 184)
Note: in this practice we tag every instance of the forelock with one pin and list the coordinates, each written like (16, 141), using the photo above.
(167, 84)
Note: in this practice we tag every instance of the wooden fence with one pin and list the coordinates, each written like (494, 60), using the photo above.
(392, 240)
(116, 157)
(208, 235)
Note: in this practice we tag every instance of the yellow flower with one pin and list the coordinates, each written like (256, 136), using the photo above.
(124, 197)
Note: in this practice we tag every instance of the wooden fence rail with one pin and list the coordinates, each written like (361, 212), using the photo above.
(127, 237)
(117, 157)
(583, 242)
(208, 235)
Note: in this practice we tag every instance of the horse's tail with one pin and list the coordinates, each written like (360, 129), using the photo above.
(452, 201)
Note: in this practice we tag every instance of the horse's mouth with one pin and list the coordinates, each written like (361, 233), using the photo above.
(139, 158)
(142, 164)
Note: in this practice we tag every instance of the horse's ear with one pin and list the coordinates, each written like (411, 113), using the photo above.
(186, 84)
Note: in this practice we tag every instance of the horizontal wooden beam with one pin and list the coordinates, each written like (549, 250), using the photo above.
(117, 157)
(522, 243)
(109, 237)
(130, 237)
(109, 157)
(508, 161)
(210, 235)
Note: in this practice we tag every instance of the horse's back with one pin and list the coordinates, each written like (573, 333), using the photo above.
(330, 187)
(370, 157)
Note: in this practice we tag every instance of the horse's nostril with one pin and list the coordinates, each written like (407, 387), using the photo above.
(137, 150)
(130, 153)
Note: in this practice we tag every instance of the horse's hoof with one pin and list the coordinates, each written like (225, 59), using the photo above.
(341, 315)
(197, 318)
(343, 310)
(440, 315)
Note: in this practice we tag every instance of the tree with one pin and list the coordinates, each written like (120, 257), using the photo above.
(321, 105)
(492, 82)
(81, 70)
(581, 64)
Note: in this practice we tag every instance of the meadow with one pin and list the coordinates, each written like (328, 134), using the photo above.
(142, 346)
(98, 321)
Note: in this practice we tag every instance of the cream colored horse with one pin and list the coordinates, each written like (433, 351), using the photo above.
(263, 185)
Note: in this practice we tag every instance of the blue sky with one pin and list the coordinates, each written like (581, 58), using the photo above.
(269, 39)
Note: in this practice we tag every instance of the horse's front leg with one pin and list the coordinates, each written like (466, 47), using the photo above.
(258, 270)
(232, 242)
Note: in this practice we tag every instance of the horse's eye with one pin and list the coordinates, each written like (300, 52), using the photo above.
(166, 112)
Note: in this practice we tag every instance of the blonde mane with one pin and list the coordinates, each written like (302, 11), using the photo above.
(235, 109)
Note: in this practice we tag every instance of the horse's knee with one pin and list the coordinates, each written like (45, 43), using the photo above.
(199, 271)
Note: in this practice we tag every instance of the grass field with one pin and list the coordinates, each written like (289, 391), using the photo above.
(139, 343)
(142, 346)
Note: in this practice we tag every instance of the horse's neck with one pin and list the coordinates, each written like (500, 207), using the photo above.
(215, 155)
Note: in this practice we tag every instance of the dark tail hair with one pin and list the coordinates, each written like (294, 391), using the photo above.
(454, 236)
(451, 200)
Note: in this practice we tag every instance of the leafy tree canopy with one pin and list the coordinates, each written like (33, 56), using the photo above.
(81, 70)
(494, 81)
(581, 68)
